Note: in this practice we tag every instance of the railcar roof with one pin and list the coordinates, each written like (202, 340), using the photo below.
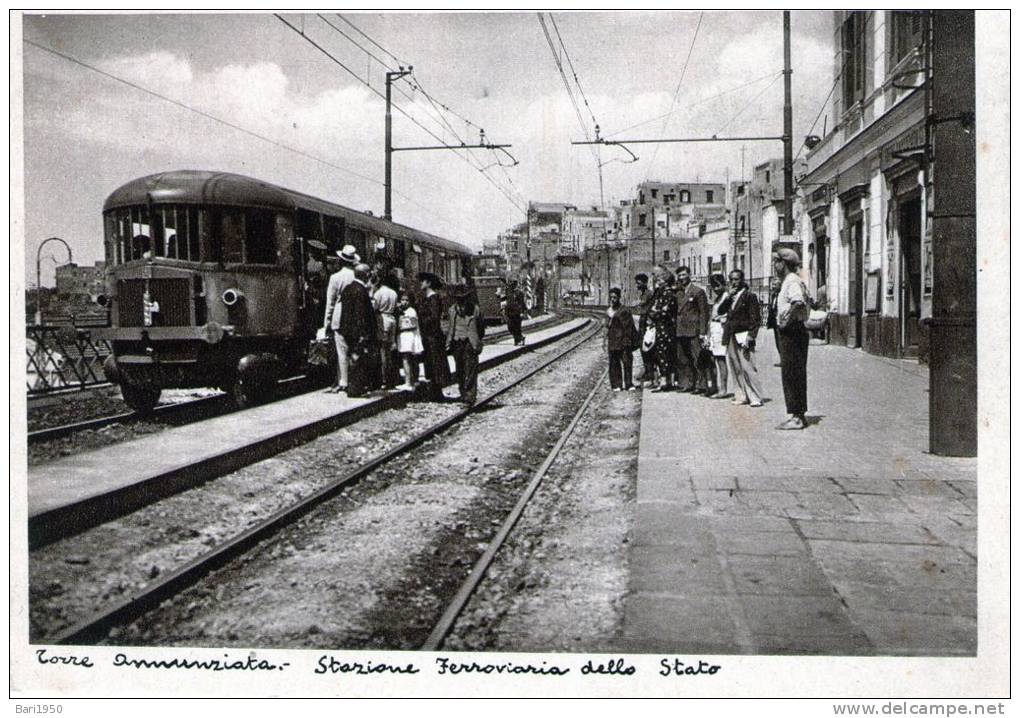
(224, 188)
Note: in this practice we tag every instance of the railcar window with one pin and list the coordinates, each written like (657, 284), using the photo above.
(260, 237)
(230, 236)
(333, 232)
(172, 235)
(356, 237)
(141, 232)
(309, 225)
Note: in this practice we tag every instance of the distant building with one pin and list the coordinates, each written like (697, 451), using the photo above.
(756, 217)
(75, 281)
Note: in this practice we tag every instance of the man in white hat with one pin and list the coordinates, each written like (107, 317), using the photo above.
(337, 282)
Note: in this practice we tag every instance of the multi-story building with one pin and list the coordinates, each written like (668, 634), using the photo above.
(75, 281)
(756, 212)
(866, 249)
(582, 229)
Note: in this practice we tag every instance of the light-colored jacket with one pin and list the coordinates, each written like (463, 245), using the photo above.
(337, 282)
(472, 325)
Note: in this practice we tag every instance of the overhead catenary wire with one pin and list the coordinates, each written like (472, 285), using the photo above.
(402, 111)
(203, 113)
(244, 130)
(747, 105)
(679, 84)
(702, 101)
(437, 106)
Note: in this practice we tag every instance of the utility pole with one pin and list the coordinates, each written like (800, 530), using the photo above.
(390, 149)
(390, 77)
(787, 130)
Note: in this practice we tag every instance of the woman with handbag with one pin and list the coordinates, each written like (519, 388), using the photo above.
(659, 336)
(720, 307)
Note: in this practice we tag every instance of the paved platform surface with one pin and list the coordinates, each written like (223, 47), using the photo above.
(72, 481)
(844, 538)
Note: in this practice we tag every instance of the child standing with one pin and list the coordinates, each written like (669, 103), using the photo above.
(409, 343)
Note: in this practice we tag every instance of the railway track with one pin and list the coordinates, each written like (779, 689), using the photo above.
(209, 406)
(97, 626)
(445, 625)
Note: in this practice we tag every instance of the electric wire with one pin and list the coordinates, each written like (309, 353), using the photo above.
(747, 105)
(251, 133)
(414, 120)
(696, 103)
(676, 93)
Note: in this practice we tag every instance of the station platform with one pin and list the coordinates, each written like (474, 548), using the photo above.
(846, 538)
(71, 494)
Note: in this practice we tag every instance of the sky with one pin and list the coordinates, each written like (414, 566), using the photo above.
(712, 73)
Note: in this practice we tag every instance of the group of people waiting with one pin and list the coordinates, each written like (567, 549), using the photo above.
(700, 344)
(371, 321)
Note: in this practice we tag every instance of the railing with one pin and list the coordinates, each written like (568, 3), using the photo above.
(63, 358)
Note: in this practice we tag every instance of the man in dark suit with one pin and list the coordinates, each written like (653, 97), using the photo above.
(430, 316)
(621, 341)
(643, 305)
(692, 317)
(514, 311)
(358, 328)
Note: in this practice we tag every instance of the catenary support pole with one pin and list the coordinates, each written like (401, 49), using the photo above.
(787, 129)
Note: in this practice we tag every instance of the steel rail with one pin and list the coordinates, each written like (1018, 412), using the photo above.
(169, 410)
(97, 626)
(467, 589)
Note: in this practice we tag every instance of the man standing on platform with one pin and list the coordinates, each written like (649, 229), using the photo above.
(792, 310)
(514, 311)
(337, 283)
(643, 305)
(692, 317)
(430, 315)
(357, 326)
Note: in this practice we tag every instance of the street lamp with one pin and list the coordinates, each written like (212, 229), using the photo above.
(38, 274)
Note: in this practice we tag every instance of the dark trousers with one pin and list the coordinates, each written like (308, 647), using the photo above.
(466, 360)
(513, 325)
(688, 353)
(436, 366)
(648, 361)
(364, 367)
(621, 359)
(793, 350)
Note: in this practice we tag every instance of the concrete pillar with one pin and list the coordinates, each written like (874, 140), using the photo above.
(953, 377)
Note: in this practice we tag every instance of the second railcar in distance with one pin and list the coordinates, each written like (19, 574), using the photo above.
(219, 280)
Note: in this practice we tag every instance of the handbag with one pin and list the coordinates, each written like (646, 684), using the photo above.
(320, 352)
(649, 339)
(816, 320)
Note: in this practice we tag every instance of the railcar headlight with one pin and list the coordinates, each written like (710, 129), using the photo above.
(231, 296)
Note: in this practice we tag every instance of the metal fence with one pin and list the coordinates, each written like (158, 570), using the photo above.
(62, 357)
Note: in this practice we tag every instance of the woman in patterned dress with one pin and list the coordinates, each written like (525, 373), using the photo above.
(662, 316)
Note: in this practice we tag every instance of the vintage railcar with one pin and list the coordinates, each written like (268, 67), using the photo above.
(219, 280)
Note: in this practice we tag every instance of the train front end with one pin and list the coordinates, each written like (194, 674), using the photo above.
(201, 287)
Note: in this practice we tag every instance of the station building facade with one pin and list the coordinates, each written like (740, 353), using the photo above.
(861, 211)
